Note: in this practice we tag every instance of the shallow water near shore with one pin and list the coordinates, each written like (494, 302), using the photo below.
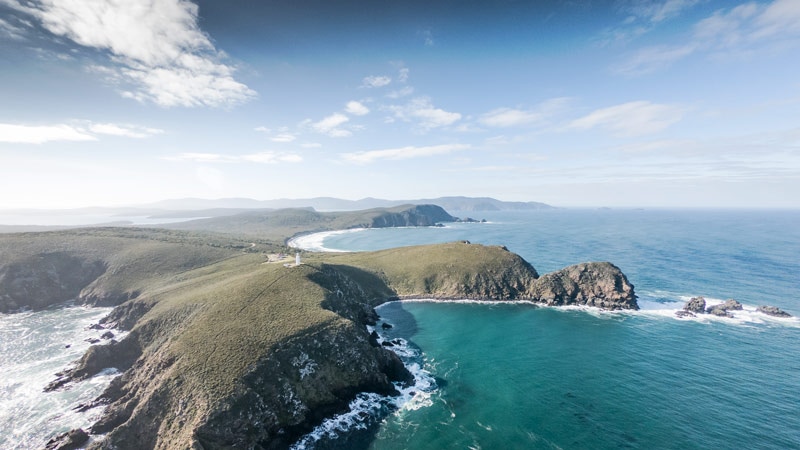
(522, 376)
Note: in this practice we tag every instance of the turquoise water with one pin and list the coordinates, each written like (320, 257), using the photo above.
(520, 376)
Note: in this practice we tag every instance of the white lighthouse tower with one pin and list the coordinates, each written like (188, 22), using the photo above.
(297, 259)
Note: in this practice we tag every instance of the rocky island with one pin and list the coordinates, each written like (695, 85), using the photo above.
(228, 350)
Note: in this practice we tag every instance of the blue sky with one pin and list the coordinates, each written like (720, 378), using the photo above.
(666, 103)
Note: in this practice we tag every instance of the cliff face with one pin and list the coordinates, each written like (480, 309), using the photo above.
(412, 216)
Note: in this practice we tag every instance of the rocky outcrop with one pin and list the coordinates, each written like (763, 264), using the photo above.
(723, 309)
(45, 279)
(696, 305)
(773, 311)
(599, 284)
(71, 440)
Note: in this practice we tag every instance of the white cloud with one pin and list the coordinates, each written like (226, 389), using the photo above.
(404, 92)
(631, 119)
(130, 131)
(272, 158)
(283, 137)
(373, 81)
(425, 114)
(402, 74)
(39, 134)
(356, 108)
(402, 153)
(507, 117)
(262, 129)
(330, 125)
(262, 158)
(157, 47)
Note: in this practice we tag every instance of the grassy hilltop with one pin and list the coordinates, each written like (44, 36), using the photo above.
(229, 350)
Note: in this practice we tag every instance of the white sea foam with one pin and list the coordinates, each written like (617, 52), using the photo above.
(367, 409)
(35, 345)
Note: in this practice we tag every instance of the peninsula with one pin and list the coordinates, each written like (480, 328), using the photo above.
(229, 350)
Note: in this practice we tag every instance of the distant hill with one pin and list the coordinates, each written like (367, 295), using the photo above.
(336, 204)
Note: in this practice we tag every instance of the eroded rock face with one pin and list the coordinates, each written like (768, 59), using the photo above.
(599, 284)
(696, 305)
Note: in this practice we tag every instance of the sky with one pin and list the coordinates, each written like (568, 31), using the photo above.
(615, 103)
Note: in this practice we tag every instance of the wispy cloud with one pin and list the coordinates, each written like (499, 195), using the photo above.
(507, 117)
(651, 59)
(131, 131)
(658, 10)
(283, 137)
(261, 158)
(374, 81)
(157, 48)
(404, 92)
(422, 111)
(402, 153)
(10, 30)
(734, 31)
(356, 108)
(631, 119)
(78, 131)
(331, 125)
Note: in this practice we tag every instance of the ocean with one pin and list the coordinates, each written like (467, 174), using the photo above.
(523, 376)
(500, 375)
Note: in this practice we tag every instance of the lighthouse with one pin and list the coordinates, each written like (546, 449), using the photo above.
(297, 259)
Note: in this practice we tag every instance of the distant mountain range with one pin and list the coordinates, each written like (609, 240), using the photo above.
(336, 204)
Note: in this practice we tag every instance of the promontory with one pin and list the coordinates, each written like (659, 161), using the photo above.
(227, 349)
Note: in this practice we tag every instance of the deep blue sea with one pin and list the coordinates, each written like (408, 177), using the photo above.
(521, 376)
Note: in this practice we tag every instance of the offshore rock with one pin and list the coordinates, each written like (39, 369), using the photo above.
(723, 309)
(683, 313)
(599, 284)
(695, 305)
(772, 311)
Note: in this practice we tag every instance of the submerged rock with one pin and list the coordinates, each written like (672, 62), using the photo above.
(773, 311)
(695, 305)
(683, 313)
